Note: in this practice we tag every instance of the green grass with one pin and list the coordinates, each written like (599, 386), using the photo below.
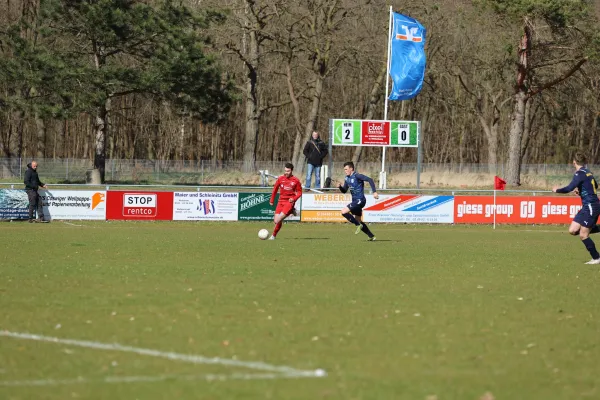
(446, 311)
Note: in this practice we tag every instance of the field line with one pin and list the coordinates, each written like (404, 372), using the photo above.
(188, 358)
(150, 379)
(70, 223)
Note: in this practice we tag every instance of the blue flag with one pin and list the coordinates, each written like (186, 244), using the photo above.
(407, 59)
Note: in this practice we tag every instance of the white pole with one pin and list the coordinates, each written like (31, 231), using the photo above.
(494, 209)
(382, 180)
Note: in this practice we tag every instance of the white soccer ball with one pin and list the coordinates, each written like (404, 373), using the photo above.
(263, 234)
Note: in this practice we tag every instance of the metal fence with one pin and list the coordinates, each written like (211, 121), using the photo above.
(202, 171)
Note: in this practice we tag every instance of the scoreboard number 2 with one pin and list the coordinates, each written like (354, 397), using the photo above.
(347, 132)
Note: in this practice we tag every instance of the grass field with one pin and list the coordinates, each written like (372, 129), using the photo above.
(425, 312)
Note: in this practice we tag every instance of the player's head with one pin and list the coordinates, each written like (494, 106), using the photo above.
(289, 168)
(579, 160)
(315, 135)
(348, 168)
(34, 164)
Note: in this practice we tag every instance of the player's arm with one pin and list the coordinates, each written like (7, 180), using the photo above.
(298, 192)
(371, 182)
(274, 193)
(571, 186)
(343, 188)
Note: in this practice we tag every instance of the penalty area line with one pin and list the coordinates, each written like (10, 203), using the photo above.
(147, 379)
(70, 224)
(187, 358)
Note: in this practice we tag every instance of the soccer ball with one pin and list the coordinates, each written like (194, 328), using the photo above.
(263, 234)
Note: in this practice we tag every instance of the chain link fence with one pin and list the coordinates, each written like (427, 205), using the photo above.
(230, 172)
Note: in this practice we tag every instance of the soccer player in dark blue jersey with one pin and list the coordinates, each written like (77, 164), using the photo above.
(584, 223)
(353, 211)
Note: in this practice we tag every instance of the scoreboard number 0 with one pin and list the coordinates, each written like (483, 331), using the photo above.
(403, 134)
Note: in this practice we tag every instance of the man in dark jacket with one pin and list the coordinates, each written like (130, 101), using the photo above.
(32, 184)
(315, 151)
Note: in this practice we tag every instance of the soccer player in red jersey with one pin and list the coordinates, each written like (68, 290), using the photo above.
(290, 190)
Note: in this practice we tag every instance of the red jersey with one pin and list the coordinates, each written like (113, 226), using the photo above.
(289, 188)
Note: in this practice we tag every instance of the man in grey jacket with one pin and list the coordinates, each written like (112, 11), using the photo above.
(32, 185)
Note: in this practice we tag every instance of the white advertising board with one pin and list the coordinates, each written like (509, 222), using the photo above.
(410, 208)
(74, 204)
(205, 206)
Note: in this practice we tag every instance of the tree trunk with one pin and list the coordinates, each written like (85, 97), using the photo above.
(310, 126)
(491, 134)
(182, 139)
(297, 120)
(40, 126)
(20, 139)
(513, 176)
(528, 121)
(517, 124)
(100, 132)
(251, 99)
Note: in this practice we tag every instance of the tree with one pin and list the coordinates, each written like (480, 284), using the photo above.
(126, 47)
(554, 43)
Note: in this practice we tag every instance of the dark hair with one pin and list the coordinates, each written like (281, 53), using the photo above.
(349, 164)
(289, 165)
(580, 159)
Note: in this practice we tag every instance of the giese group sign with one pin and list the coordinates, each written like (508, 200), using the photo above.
(515, 209)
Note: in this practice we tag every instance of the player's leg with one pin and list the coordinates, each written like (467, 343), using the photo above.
(363, 226)
(596, 213)
(346, 214)
(589, 244)
(581, 224)
(277, 220)
(281, 214)
(278, 224)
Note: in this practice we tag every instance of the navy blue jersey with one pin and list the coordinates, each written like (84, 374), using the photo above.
(586, 184)
(356, 184)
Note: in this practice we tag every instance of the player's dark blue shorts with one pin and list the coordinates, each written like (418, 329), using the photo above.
(588, 215)
(356, 206)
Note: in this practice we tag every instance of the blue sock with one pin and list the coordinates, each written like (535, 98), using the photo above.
(591, 247)
(351, 218)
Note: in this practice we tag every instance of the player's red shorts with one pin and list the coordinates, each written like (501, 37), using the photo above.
(284, 207)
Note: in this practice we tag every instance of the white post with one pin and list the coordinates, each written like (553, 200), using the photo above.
(494, 209)
(324, 174)
(382, 175)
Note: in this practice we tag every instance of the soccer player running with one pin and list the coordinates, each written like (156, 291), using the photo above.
(584, 223)
(353, 211)
(290, 190)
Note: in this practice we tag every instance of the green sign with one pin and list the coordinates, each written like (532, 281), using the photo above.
(356, 132)
(255, 207)
(404, 134)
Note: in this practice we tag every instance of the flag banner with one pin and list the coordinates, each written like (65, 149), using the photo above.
(407, 58)
(499, 183)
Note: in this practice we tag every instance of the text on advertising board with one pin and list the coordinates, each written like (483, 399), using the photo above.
(141, 205)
